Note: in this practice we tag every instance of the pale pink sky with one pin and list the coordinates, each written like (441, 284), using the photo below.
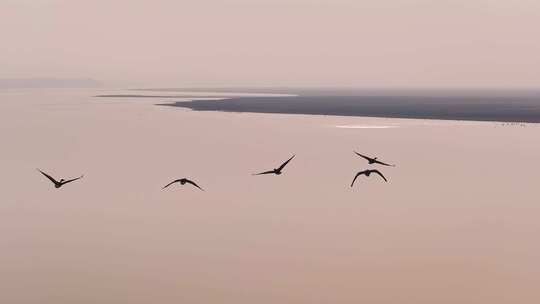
(274, 42)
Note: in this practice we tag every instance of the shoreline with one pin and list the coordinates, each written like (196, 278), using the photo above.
(481, 109)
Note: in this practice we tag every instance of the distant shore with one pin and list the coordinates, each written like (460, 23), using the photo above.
(468, 105)
(48, 83)
(471, 108)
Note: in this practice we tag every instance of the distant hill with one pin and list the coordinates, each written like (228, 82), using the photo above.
(22, 83)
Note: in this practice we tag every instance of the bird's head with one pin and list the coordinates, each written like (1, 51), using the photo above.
(62, 180)
(375, 158)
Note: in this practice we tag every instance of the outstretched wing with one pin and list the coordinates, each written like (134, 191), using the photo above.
(285, 163)
(72, 180)
(357, 175)
(265, 172)
(378, 172)
(174, 181)
(194, 184)
(48, 176)
(384, 164)
(363, 156)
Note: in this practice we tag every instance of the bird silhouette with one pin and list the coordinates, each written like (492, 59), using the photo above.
(61, 182)
(367, 173)
(183, 181)
(277, 171)
(373, 160)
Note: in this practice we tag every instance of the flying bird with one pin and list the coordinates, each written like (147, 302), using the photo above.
(278, 170)
(61, 182)
(373, 160)
(367, 173)
(183, 181)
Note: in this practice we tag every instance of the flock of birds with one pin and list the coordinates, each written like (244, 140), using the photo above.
(276, 171)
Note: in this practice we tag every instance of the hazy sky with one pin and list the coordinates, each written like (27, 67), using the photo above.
(274, 42)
